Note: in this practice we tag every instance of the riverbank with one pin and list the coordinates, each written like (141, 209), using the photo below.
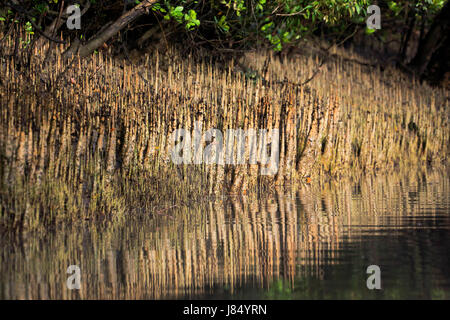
(90, 138)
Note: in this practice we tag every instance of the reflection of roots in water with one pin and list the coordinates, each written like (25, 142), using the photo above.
(223, 244)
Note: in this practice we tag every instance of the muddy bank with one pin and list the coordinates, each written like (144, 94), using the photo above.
(94, 137)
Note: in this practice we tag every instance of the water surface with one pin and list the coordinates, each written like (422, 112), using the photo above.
(314, 242)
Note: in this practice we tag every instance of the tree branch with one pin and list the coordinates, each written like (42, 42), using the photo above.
(114, 28)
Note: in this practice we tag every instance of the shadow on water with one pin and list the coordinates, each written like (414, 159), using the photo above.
(312, 243)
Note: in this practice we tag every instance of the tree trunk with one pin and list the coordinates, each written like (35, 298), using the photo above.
(406, 38)
(433, 40)
(114, 28)
(439, 65)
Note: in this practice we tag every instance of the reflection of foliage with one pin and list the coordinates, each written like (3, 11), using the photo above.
(399, 278)
(280, 290)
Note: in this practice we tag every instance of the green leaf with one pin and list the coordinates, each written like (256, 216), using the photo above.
(267, 26)
(370, 31)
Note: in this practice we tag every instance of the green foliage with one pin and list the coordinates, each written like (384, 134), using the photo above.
(278, 22)
(246, 22)
(178, 14)
(191, 20)
(281, 22)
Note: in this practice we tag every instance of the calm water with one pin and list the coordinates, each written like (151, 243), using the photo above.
(311, 243)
